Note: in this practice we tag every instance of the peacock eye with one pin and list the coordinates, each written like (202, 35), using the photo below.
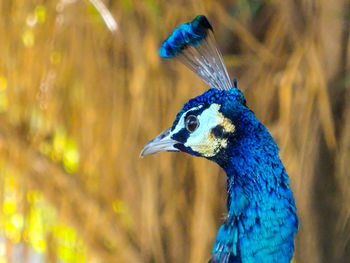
(191, 123)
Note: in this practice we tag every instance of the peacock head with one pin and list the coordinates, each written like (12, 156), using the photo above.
(205, 126)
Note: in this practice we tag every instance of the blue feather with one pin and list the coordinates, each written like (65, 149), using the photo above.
(192, 33)
(194, 45)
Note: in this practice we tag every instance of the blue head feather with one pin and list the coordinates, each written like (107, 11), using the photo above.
(221, 97)
(191, 33)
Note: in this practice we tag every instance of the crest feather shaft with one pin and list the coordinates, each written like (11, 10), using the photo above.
(194, 45)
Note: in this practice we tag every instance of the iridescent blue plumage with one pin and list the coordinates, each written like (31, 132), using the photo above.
(192, 33)
(261, 220)
(194, 45)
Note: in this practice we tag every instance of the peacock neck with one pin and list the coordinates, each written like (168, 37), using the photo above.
(253, 169)
(260, 202)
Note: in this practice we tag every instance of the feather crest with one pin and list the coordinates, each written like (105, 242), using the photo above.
(194, 45)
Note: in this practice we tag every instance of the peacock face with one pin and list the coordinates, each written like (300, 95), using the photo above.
(203, 127)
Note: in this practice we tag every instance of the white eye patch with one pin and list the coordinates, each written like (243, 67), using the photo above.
(202, 140)
(181, 124)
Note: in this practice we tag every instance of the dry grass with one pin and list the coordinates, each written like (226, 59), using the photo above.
(110, 93)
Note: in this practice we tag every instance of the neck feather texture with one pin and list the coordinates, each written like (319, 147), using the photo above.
(262, 219)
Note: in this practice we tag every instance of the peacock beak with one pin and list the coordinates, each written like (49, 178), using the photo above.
(163, 142)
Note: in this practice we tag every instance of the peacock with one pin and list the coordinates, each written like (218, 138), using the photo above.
(261, 216)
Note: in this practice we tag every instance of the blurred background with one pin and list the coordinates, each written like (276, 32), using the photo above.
(82, 89)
